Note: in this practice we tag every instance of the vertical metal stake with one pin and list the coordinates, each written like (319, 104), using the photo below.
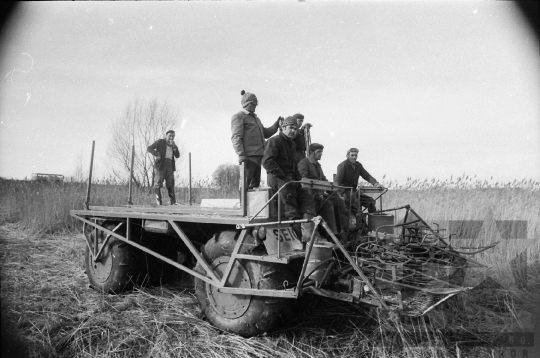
(128, 228)
(279, 221)
(130, 202)
(243, 188)
(87, 203)
(189, 178)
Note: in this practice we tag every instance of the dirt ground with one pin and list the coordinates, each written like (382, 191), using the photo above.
(37, 282)
(49, 310)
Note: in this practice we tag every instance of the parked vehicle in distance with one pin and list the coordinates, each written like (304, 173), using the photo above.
(47, 178)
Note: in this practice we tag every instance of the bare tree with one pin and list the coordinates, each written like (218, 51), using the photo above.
(141, 125)
(227, 176)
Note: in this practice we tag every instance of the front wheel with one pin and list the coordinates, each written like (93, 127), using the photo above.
(246, 315)
(116, 269)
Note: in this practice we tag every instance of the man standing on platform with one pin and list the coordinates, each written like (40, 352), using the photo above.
(165, 150)
(300, 139)
(248, 138)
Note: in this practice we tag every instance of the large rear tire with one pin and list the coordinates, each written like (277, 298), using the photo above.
(245, 315)
(116, 270)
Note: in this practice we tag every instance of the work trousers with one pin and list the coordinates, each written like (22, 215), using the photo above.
(166, 174)
(359, 200)
(332, 209)
(295, 200)
(253, 171)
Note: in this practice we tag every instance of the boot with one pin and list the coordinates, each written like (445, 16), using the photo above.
(307, 228)
(158, 196)
(172, 196)
(297, 228)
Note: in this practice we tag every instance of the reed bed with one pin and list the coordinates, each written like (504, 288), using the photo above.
(48, 309)
(53, 313)
(44, 207)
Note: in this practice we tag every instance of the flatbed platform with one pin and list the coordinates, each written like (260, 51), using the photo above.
(183, 213)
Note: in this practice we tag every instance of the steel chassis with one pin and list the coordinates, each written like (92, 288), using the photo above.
(173, 215)
(239, 220)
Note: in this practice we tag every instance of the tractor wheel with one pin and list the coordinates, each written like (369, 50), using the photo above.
(245, 315)
(221, 244)
(116, 269)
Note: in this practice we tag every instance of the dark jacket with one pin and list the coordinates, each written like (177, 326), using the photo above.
(300, 142)
(311, 169)
(348, 174)
(248, 134)
(279, 156)
(159, 149)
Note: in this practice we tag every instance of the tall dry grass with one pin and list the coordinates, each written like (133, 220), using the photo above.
(44, 207)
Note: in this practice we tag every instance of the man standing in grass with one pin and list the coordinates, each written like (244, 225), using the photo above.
(348, 173)
(248, 138)
(165, 150)
(280, 164)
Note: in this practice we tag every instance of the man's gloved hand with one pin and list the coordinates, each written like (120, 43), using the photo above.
(318, 197)
(241, 160)
(279, 121)
(307, 125)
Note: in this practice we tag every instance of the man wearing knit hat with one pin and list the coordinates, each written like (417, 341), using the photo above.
(248, 138)
(300, 139)
(327, 205)
(281, 167)
(348, 173)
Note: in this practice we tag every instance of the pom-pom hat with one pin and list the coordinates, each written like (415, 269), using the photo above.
(248, 98)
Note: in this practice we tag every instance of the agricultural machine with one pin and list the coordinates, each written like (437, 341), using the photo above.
(249, 265)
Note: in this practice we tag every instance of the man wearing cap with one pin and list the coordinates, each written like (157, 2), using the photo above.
(328, 205)
(165, 150)
(348, 173)
(300, 139)
(281, 167)
(248, 138)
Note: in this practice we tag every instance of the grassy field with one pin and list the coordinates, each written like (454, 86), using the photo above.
(48, 309)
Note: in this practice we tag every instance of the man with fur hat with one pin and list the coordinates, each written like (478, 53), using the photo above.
(165, 150)
(281, 167)
(328, 205)
(248, 138)
(348, 173)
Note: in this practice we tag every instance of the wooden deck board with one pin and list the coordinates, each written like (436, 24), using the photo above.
(176, 213)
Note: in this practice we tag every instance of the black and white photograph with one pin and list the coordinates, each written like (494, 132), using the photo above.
(295, 178)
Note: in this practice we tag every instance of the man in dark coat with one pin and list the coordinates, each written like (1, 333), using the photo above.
(248, 138)
(300, 138)
(348, 173)
(165, 150)
(279, 162)
(328, 205)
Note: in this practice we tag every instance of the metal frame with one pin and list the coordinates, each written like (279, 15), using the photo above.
(238, 218)
(213, 278)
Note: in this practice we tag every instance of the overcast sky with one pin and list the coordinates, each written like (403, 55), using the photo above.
(424, 89)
